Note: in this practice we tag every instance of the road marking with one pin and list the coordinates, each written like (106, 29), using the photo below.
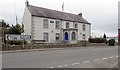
(111, 57)
(62, 65)
(117, 56)
(65, 65)
(86, 61)
(75, 63)
(51, 67)
(96, 59)
(104, 58)
(59, 66)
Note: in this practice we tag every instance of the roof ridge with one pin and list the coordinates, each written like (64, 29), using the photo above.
(53, 10)
(55, 14)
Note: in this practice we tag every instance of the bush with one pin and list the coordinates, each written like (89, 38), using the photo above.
(16, 42)
(111, 42)
(97, 40)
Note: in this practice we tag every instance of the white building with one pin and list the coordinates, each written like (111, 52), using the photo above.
(54, 26)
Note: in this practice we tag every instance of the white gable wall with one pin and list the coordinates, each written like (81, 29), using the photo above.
(87, 32)
(27, 21)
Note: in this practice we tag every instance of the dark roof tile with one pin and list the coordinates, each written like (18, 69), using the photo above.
(48, 13)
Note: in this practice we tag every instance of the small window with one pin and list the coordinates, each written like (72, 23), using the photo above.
(73, 36)
(45, 23)
(84, 27)
(45, 36)
(57, 25)
(75, 25)
(84, 36)
(67, 24)
(57, 36)
(51, 21)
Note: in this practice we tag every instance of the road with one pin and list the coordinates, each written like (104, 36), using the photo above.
(100, 57)
(0, 53)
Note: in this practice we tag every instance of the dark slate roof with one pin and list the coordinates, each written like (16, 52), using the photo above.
(48, 13)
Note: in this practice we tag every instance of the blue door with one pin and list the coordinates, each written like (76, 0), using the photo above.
(66, 36)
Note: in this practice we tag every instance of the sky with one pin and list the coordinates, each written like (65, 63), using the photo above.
(102, 14)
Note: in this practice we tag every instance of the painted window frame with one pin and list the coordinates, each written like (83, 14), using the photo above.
(84, 27)
(83, 36)
(76, 25)
(57, 24)
(45, 37)
(45, 23)
(73, 36)
(67, 24)
(57, 36)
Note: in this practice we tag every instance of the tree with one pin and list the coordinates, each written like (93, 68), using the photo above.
(15, 29)
(4, 24)
(104, 36)
(4, 30)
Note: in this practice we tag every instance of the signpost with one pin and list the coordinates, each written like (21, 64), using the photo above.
(18, 37)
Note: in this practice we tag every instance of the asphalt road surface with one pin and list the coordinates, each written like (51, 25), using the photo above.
(100, 57)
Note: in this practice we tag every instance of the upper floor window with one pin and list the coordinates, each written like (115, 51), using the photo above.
(45, 36)
(57, 25)
(51, 21)
(45, 23)
(67, 25)
(57, 36)
(75, 25)
(83, 27)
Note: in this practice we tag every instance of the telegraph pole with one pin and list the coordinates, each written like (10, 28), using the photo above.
(3, 33)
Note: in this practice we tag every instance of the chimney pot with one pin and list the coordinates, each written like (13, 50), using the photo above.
(27, 2)
(80, 14)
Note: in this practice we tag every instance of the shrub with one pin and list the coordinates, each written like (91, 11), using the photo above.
(97, 40)
(16, 42)
(111, 42)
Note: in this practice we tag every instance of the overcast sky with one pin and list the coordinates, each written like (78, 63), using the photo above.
(102, 14)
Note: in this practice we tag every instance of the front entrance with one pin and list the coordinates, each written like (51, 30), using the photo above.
(66, 36)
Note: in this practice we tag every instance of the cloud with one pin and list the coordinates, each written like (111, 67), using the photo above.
(101, 13)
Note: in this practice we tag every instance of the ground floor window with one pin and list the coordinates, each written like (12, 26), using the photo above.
(66, 35)
(83, 36)
(73, 36)
(57, 36)
(45, 36)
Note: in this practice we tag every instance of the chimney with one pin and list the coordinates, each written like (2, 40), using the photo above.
(80, 14)
(27, 3)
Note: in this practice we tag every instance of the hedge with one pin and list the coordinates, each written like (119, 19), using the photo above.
(16, 42)
(97, 40)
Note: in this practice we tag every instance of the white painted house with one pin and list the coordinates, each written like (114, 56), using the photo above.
(51, 26)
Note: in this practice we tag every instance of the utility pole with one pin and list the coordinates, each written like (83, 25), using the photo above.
(3, 33)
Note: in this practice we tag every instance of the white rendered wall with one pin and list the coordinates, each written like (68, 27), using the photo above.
(27, 21)
(39, 30)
